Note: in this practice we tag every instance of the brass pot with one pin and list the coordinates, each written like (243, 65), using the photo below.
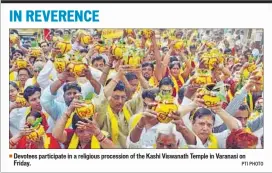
(77, 68)
(202, 77)
(60, 64)
(21, 63)
(85, 39)
(20, 99)
(147, 33)
(209, 96)
(117, 52)
(13, 38)
(38, 132)
(64, 47)
(87, 111)
(163, 109)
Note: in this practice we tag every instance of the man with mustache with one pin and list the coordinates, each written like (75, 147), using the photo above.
(66, 79)
(113, 107)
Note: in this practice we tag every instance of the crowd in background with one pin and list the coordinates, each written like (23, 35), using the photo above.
(136, 88)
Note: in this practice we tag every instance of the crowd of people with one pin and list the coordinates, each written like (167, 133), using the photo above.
(135, 88)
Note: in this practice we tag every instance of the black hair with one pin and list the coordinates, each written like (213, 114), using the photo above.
(108, 81)
(98, 58)
(164, 49)
(173, 58)
(40, 44)
(26, 46)
(166, 81)
(193, 47)
(35, 33)
(228, 50)
(30, 90)
(130, 76)
(244, 107)
(14, 31)
(14, 85)
(67, 30)
(149, 94)
(172, 64)
(28, 72)
(120, 86)
(69, 86)
(146, 64)
(75, 120)
(18, 51)
(181, 93)
(201, 112)
(59, 32)
(36, 115)
(83, 51)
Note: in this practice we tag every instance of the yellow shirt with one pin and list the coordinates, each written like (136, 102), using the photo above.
(101, 104)
(13, 76)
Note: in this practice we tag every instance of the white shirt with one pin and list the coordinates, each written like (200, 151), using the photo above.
(16, 116)
(43, 77)
(17, 120)
(186, 118)
(259, 133)
(148, 140)
(221, 139)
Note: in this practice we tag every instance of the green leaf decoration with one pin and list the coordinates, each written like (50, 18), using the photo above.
(37, 122)
(90, 96)
(221, 97)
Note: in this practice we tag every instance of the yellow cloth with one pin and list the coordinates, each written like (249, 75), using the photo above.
(46, 141)
(21, 88)
(254, 115)
(75, 141)
(28, 110)
(230, 95)
(114, 122)
(134, 106)
(175, 82)
(248, 130)
(12, 76)
(69, 121)
(34, 80)
(135, 121)
(153, 81)
(213, 141)
(246, 74)
(250, 102)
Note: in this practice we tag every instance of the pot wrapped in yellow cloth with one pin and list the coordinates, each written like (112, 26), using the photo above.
(147, 33)
(210, 94)
(77, 68)
(60, 64)
(35, 52)
(163, 109)
(117, 52)
(20, 99)
(21, 63)
(248, 70)
(165, 106)
(13, 38)
(133, 61)
(202, 77)
(87, 111)
(84, 37)
(64, 46)
(37, 127)
(178, 45)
